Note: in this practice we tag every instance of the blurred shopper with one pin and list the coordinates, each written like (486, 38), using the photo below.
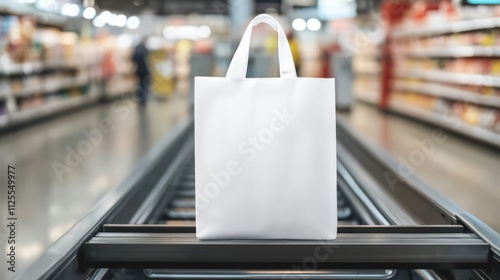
(140, 58)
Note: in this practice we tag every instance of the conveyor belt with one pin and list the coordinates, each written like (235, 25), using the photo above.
(150, 234)
(171, 244)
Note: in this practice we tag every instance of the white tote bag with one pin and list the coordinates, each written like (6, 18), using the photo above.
(265, 151)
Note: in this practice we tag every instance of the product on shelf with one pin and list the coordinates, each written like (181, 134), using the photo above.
(19, 37)
(484, 66)
(481, 38)
(446, 66)
(471, 114)
(44, 69)
(366, 67)
(447, 89)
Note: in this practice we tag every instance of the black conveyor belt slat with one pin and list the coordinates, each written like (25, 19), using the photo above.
(185, 193)
(349, 250)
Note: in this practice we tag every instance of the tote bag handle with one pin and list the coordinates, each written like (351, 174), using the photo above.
(238, 67)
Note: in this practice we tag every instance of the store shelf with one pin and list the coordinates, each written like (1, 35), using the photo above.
(47, 109)
(456, 51)
(51, 108)
(47, 90)
(64, 64)
(27, 68)
(364, 73)
(120, 94)
(367, 97)
(446, 27)
(450, 77)
(21, 68)
(449, 92)
(446, 122)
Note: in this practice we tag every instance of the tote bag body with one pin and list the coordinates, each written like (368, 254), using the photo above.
(265, 155)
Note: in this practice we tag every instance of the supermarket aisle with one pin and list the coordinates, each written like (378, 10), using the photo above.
(52, 199)
(462, 170)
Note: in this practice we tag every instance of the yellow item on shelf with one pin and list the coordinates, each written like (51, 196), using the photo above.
(487, 91)
(495, 67)
(488, 40)
(471, 114)
(162, 83)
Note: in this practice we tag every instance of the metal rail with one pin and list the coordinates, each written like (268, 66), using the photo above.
(269, 275)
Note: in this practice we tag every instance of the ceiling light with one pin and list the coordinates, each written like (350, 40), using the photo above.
(133, 22)
(204, 31)
(105, 16)
(313, 24)
(112, 20)
(89, 13)
(299, 24)
(120, 20)
(97, 22)
(70, 9)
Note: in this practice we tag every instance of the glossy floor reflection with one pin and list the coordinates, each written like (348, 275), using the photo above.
(465, 171)
(65, 165)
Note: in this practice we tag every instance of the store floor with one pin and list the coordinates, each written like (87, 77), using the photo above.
(52, 198)
(462, 170)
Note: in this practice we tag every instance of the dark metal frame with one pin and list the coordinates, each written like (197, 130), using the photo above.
(360, 247)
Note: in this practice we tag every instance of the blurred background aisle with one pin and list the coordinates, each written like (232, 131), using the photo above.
(88, 87)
